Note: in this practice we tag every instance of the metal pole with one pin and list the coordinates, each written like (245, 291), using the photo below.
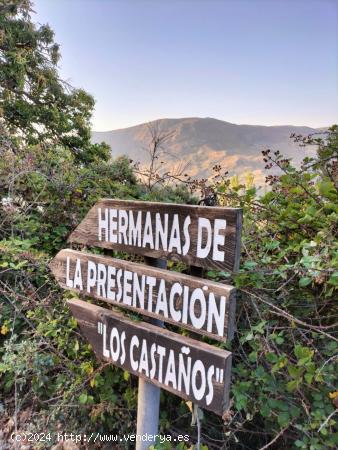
(148, 400)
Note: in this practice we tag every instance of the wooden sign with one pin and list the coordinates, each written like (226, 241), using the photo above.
(207, 237)
(190, 369)
(198, 235)
(200, 305)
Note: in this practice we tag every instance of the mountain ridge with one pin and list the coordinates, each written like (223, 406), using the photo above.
(205, 142)
(176, 119)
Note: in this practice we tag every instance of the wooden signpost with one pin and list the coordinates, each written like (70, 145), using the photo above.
(194, 303)
(197, 235)
(191, 369)
(206, 237)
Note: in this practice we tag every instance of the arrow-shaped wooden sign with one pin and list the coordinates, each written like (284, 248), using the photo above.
(197, 235)
(190, 369)
(201, 305)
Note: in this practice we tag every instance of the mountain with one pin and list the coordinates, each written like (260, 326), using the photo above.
(204, 142)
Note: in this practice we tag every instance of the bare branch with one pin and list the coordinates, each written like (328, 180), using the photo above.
(159, 171)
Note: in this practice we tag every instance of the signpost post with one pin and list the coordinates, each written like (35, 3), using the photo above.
(202, 237)
(148, 396)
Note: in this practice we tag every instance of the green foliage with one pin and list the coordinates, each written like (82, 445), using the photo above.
(42, 356)
(56, 192)
(170, 194)
(285, 351)
(34, 103)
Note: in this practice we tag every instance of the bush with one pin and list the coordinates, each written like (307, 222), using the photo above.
(285, 350)
(49, 377)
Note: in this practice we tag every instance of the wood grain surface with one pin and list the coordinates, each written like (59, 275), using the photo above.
(190, 369)
(107, 227)
(218, 308)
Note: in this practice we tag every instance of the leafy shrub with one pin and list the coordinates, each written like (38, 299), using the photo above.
(285, 350)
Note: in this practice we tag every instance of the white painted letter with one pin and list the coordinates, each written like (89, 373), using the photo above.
(91, 275)
(213, 314)
(203, 224)
(175, 238)
(186, 245)
(123, 226)
(210, 395)
(197, 322)
(128, 276)
(114, 353)
(112, 225)
(198, 392)
(106, 353)
(78, 275)
(144, 365)
(103, 223)
(176, 289)
(162, 303)
(101, 280)
(171, 371)
(69, 282)
(148, 238)
(162, 231)
(134, 342)
(219, 239)
(111, 283)
(161, 352)
(135, 231)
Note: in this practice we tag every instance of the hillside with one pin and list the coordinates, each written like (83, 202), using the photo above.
(206, 141)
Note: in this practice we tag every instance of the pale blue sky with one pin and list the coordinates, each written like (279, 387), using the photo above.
(257, 62)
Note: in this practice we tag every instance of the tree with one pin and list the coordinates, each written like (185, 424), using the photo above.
(35, 104)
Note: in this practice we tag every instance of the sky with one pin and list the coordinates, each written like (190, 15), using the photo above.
(264, 62)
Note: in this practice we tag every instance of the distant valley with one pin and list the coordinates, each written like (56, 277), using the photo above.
(204, 142)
